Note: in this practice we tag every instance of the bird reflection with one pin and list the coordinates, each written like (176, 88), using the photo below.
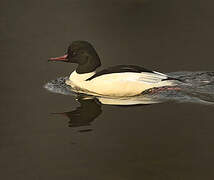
(83, 115)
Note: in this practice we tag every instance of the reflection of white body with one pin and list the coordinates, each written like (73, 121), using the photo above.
(118, 84)
(134, 100)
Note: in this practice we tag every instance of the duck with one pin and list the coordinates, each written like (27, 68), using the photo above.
(115, 81)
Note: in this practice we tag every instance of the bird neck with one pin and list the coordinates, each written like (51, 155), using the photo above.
(88, 65)
(75, 76)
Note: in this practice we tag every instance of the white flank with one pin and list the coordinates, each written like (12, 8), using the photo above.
(118, 84)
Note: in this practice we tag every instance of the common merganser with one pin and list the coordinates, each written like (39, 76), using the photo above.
(116, 81)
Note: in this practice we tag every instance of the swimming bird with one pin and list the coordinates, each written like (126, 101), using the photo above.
(115, 81)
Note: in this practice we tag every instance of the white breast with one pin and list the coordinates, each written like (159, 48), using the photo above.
(80, 77)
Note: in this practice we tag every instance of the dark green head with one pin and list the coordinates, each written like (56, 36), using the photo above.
(82, 53)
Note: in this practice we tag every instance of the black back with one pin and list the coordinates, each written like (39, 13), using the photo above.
(120, 69)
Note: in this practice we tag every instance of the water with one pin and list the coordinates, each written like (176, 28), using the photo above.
(169, 140)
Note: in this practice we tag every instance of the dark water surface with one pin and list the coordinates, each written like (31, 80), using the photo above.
(161, 141)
